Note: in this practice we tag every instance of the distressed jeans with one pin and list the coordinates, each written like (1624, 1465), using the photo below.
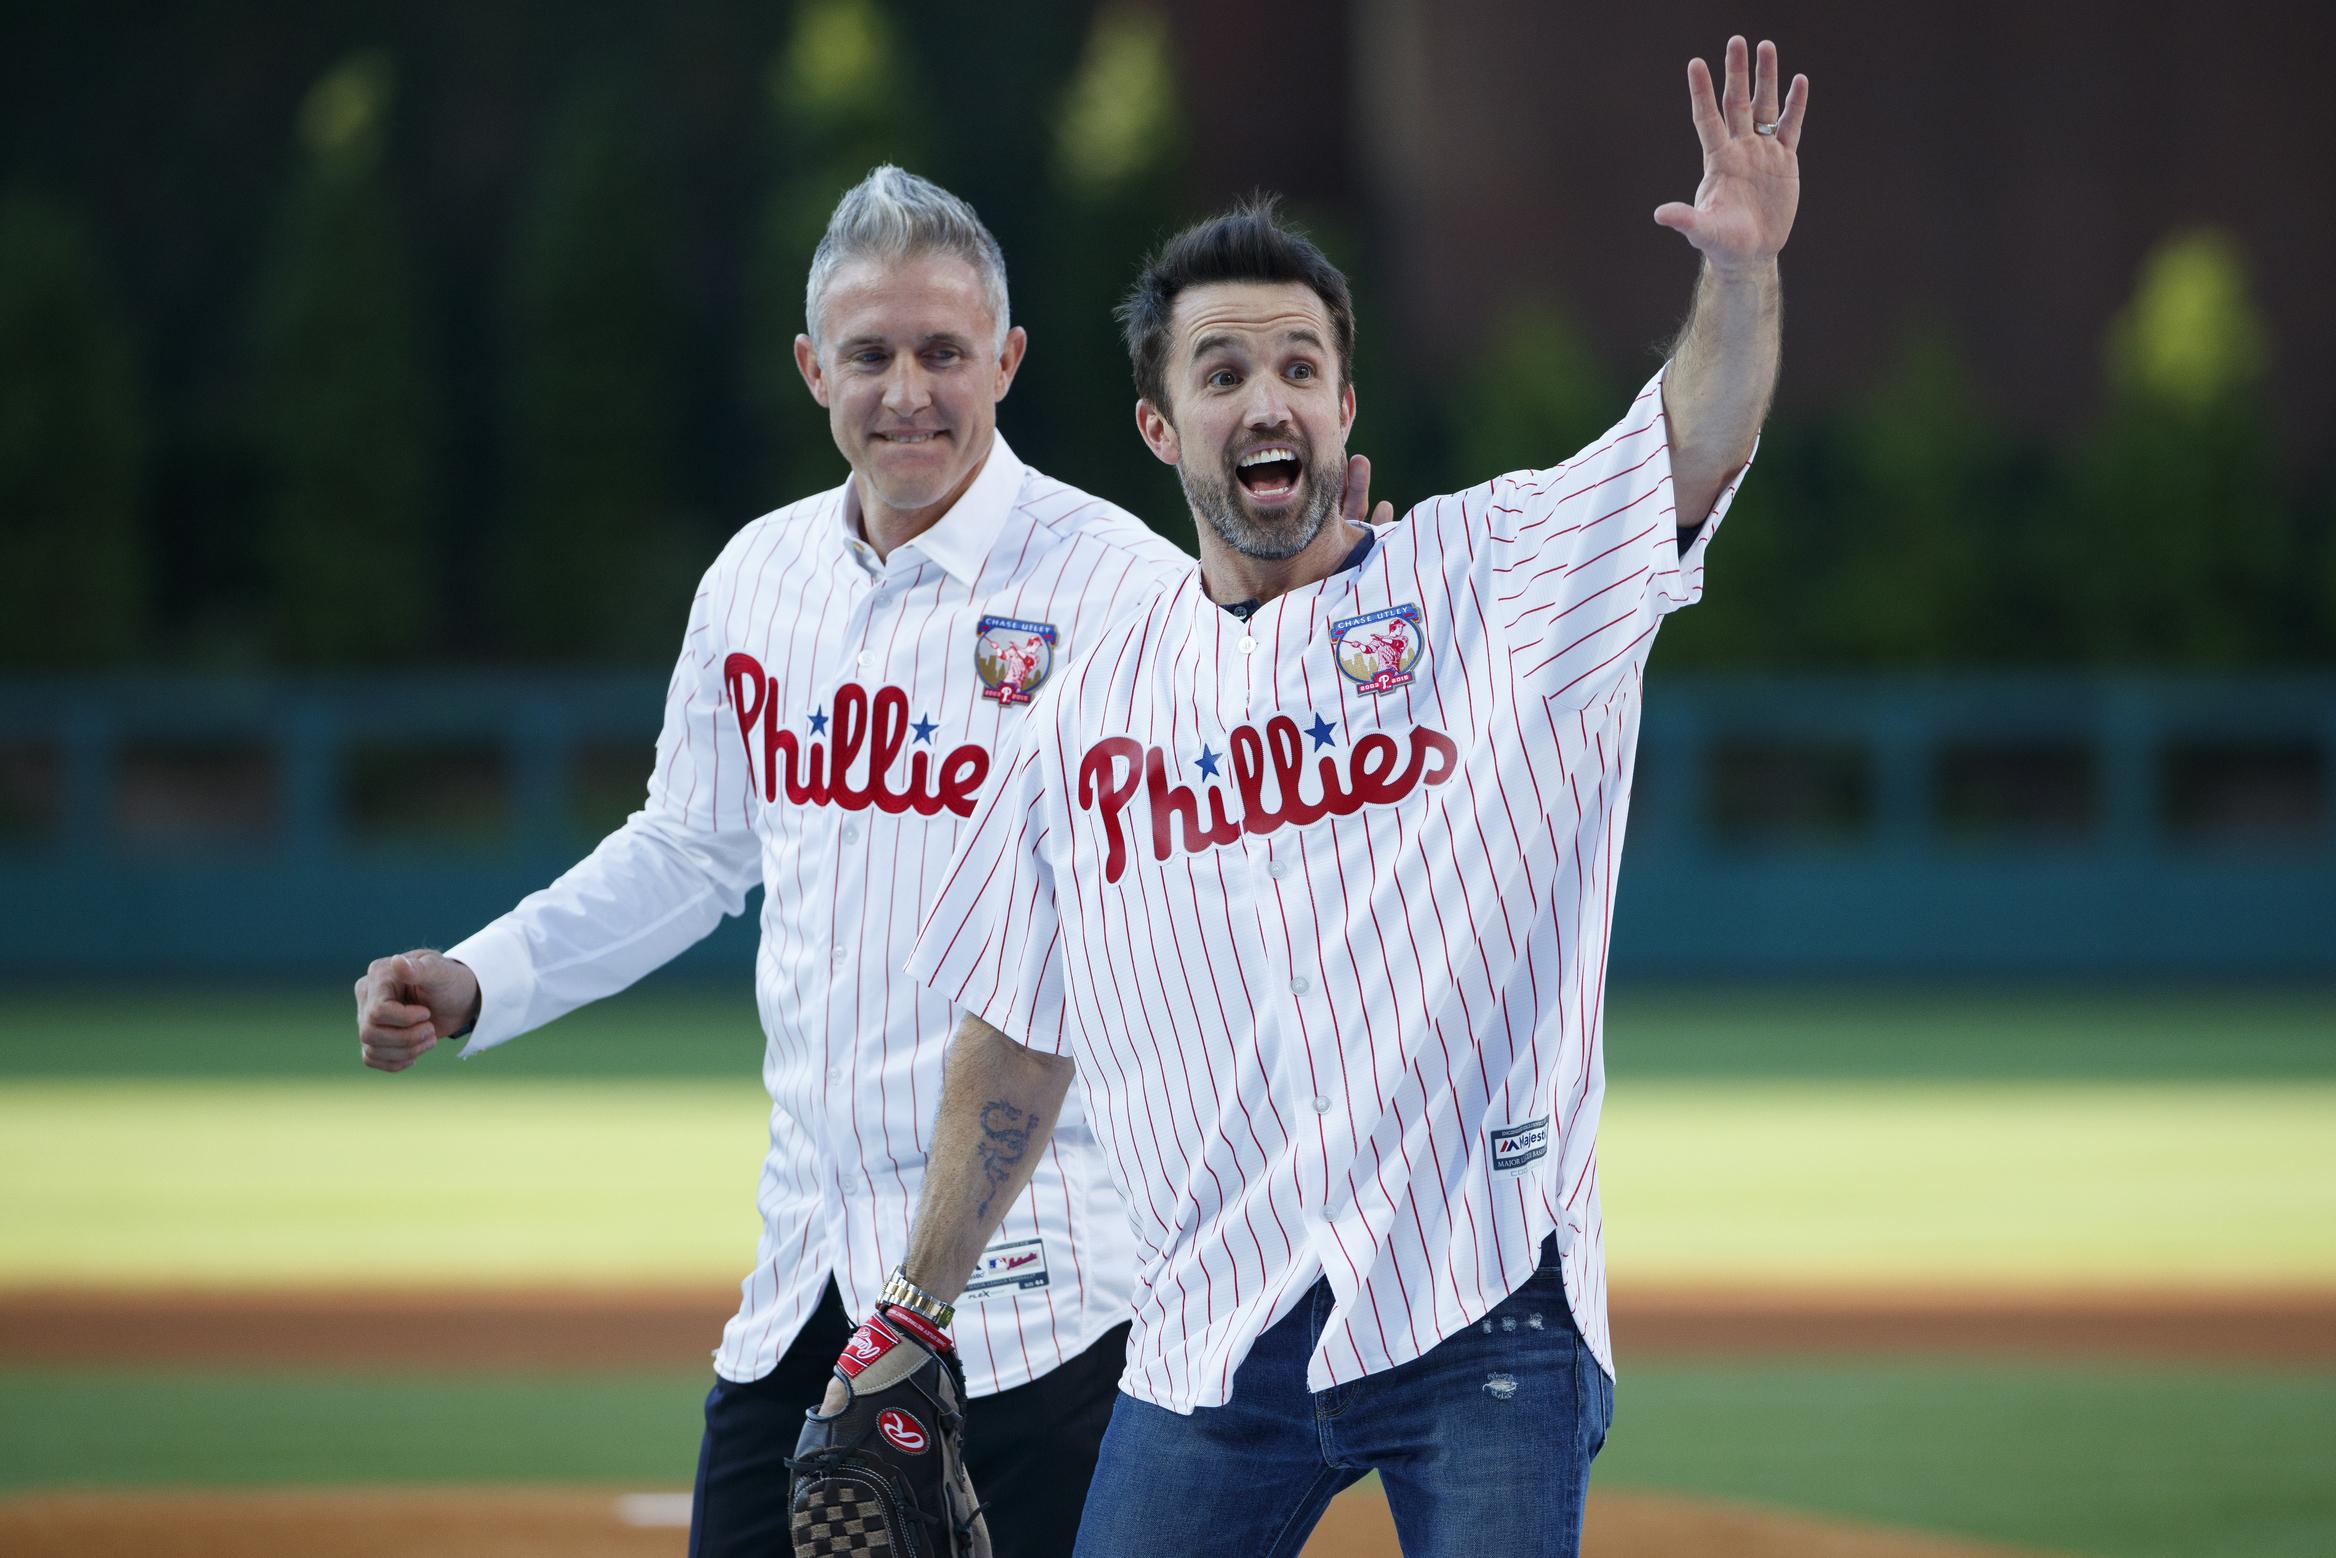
(1483, 1444)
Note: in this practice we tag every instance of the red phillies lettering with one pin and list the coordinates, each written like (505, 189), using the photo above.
(820, 772)
(1375, 771)
(1107, 777)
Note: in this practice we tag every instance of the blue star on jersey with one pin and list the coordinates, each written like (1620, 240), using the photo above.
(924, 727)
(1206, 762)
(1323, 732)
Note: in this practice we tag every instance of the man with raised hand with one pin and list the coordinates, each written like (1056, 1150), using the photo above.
(852, 662)
(1307, 871)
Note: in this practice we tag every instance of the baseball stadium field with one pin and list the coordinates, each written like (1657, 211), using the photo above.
(1891, 1275)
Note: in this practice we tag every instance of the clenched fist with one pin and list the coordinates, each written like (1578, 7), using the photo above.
(406, 1003)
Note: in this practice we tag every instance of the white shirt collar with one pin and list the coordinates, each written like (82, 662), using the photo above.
(962, 539)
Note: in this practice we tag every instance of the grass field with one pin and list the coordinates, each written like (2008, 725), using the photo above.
(1937, 1141)
(2136, 1462)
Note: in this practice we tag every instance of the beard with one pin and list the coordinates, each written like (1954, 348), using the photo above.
(1219, 499)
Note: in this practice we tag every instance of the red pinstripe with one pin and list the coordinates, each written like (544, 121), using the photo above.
(786, 592)
(1419, 935)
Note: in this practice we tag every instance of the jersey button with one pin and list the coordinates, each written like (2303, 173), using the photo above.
(1321, 1104)
(1300, 985)
(1248, 645)
(867, 658)
(841, 955)
(851, 833)
(1277, 869)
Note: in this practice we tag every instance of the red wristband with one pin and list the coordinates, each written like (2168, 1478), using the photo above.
(918, 1326)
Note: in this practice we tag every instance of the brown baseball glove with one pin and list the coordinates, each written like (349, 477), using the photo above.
(885, 1474)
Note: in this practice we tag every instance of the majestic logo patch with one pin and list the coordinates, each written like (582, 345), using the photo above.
(1514, 1146)
(1378, 651)
(905, 1432)
(1007, 1269)
(1012, 657)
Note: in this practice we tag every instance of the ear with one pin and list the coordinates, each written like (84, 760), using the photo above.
(1010, 360)
(807, 363)
(1159, 433)
(1346, 410)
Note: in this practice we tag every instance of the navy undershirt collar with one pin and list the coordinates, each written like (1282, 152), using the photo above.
(1243, 610)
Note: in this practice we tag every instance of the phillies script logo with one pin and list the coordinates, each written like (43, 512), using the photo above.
(820, 772)
(905, 1432)
(1376, 772)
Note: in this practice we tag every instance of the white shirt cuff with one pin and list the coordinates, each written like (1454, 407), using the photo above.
(499, 958)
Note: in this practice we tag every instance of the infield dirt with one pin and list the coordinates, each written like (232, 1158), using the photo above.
(560, 1329)
(571, 1523)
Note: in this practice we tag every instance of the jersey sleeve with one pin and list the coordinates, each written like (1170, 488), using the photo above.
(992, 941)
(1583, 561)
(651, 889)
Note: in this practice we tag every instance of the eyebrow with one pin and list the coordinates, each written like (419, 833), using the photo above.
(1302, 335)
(937, 338)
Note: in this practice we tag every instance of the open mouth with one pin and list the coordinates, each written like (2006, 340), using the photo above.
(912, 440)
(1269, 472)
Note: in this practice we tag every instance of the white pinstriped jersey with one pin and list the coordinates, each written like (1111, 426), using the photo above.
(827, 731)
(1320, 903)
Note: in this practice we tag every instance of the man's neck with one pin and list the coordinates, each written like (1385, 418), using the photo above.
(884, 527)
(1227, 577)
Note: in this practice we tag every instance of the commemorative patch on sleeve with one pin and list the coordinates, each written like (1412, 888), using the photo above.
(1381, 650)
(1012, 657)
(1005, 1269)
(1514, 1146)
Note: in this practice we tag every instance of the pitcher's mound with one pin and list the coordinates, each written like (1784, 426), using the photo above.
(568, 1523)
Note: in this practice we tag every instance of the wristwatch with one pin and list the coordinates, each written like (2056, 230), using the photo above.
(899, 1290)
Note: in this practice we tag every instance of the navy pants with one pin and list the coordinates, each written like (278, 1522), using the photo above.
(1031, 1449)
(1483, 1444)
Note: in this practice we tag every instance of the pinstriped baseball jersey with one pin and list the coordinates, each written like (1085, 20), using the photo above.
(1319, 902)
(829, 726)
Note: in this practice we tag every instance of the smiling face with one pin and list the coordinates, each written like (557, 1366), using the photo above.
(1257, 418)
(909, 367)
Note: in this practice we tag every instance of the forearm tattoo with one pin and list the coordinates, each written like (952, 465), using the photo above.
(1005, 1138)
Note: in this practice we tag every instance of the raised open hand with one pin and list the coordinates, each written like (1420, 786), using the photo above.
(1751, 185)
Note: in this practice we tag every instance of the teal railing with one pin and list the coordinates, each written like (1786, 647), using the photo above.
(1788, 827)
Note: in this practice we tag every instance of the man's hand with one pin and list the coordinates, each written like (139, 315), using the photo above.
(1356, 501)
(1751, 186)
(406, 1003)
(880, 1468)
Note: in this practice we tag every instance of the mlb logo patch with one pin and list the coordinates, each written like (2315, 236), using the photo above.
(1514, 1146)
(1018, 1266)
(1012, 657)
(1381, 650)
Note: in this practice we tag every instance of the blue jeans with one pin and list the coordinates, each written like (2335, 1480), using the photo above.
(1483, 1445)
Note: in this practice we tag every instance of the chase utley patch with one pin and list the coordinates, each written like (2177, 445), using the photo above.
(1514, 1146)
(1012, 657)
(1381, 651)
(1006, 1269)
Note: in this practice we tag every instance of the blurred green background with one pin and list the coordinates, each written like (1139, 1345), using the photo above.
(382, 336)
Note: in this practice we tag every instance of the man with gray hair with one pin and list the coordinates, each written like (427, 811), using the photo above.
(851, 662)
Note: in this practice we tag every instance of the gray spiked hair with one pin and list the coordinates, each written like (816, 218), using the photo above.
(894, 215)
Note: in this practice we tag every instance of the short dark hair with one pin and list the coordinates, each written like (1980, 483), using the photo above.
(1250, 242)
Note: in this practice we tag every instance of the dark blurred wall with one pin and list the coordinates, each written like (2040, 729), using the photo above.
(1994, 166)
(1995, 173)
